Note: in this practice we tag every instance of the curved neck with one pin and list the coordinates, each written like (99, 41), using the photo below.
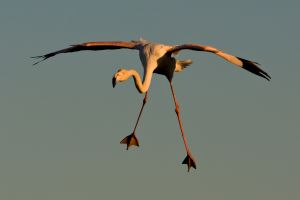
(141, 87)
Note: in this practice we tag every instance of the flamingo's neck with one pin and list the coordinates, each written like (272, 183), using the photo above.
(141, 87)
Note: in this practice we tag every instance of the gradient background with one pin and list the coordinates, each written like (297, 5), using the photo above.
(61, 122)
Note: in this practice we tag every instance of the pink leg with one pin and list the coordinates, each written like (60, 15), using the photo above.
(132, 139)
(189, 160)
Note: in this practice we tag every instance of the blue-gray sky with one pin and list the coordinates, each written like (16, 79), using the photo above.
(61, 122)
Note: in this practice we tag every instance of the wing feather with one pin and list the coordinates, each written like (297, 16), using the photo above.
(94, 46)
(243, 63)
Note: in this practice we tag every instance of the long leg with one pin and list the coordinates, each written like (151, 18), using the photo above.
(132, 139)
(189, 160)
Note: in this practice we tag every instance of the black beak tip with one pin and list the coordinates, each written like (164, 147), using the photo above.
(114, 81)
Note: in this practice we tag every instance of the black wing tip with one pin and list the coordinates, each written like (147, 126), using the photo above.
(253, 68)
(43, 57)
(264, 74)
(39, 57)
(267, 77)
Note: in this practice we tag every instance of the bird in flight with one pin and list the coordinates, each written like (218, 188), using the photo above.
(160, 59)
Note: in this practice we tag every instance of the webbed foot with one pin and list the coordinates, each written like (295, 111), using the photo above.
(130, 140)
(189, 161)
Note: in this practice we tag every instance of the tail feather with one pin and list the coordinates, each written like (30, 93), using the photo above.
(182, 64)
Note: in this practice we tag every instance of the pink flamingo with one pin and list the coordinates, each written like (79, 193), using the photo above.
(157, 58)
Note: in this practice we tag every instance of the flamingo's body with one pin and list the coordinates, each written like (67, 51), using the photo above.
(157, 58)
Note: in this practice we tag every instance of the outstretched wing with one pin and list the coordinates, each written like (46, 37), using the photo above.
(243, 63)
(90, 46)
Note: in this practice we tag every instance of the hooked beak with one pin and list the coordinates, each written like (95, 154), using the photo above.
(114, 81)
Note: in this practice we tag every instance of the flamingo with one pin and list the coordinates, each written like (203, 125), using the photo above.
(157, 58)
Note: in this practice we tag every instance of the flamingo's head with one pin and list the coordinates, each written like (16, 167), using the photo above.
(120, 76)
